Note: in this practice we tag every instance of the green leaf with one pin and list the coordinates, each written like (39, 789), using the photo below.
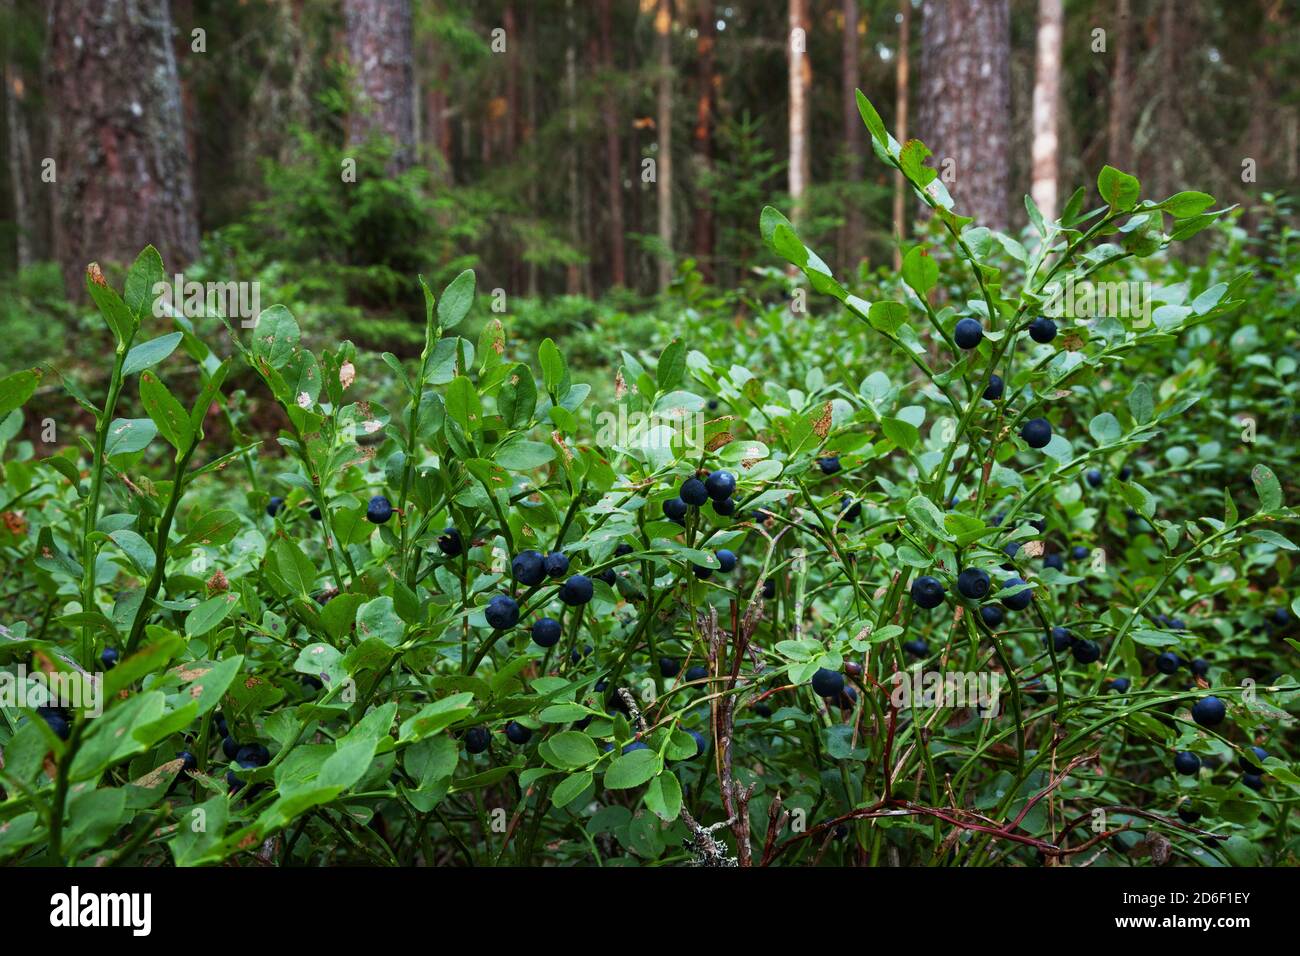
(903, 434)
(116, 315)
(1186, 204)
(213, 529)
(136, 548)
(275, 339)
(463, 403)
(167, 413)
(142, 279)
(17, 388)
(517, 399)
(672, 366)
(572, 787)
(1141, 404)
(872, 119)
(1267, 487)
(552, 362)
(631, 769)
(887, 317)
(128, 435)
(663, 797)
(150, 353)
(210, 613)
(926, 516)
(456, 300)
(1104, 428)
(572, 749)
(523, 455)
(1120, 190)
(920, 271)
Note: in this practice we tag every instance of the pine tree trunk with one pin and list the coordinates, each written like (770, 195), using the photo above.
(22, 171)
(1119, 135)
(852, 236)
(800, 81)
(664, 129)
(1047, 89)
(117, 131)
(706, 83)
(613, 161)
(903, 82)
(1169, 119)
(379, 48)
(573, 273)
(966, 103)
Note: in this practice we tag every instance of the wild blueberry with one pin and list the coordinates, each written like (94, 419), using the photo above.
(992, 615)
(556, 564)
(502, 612)
(315, 513)
(1054, 560)
(1209, 711)
(1199, 666)
(379, 510)
(769, 588)
(517, 733)
(1038, 524)
(849, 508)
(55, 721)
(1187, 815)
(1020, 600)
(1248, 765)
(1253, 780)
(917, 648)
(701, 742)
(726, 560)
(675, 509)
(1037, 432)
(1178, 624)
(546, 632)
(693, 492)
(993, 391)
(696, 672)
(720, 485)
(702, 572)
(1042, 330)
(1167, 663)
(274, 505)
(528, 568)
(927, 592)
(233, 782)
(968, 333)
(109, 658)
(1078, 552)
(1187, 763)
(973, 583)
(449, 542)
(635, 745)
(1086, 652)
(669, 666)
(724, 508)
(827, 683)
(253, 755)
(230, 747)
(829, 465)
(1094, 477)
(1125, 473)
(188, 760)
(576, 590)
(609, 576)
(623, 549)
(1011, 549)
(1061, 638)
(220, 723)
(477, 739)
(763, 710)
(1120, 685)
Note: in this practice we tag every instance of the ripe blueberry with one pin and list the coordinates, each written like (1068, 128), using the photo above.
(1054, 560)
(252, 755)
(188, 760)
(477, 739)
(1042, 329)
(1168, 662)
(274, 505)
(1125, 473)
(517, 733)
(1253, 780)
(1248, 765)
(675, 509)
(1187, 763)
(1120, 685)
(769, 588)
(635, 745)
(927, 592)
(701, 742)
(993, 391)
(1061, 638)
(725, 508)
(1020, 600)
(56, 721)
(696, 672)
(973, 583)
(720, 485)
(849, 508)
(1094, 477)
(1037, 432)
(727, 560)
(449, 542)
(917, 648)
(556, 564)
(1209, 711)
(1188, 815)
(502, 612)
(693, 492)
(1086, 652)
(829, 465)
(1200, 667)
(1078, 552)
(528, 568)
(968, 333)
(702, 572)
(379, 510)
(576, 590)
(669, 666)
(827, 683)
(230, 747)
(992, 615)
(546, 632)
(109, 658)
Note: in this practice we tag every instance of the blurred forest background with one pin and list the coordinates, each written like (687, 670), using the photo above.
(585, 156)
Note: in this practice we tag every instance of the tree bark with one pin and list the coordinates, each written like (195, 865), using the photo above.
(1119, 135)
(379, 48)
(852, 236)
(800, 81)
(706, 83)
(573, 273)
(117, 128)
(903, 81)
(22, 171)
(1047, 92)
(1169, 119)
(613, 161)
(664, 130)
(966, 103)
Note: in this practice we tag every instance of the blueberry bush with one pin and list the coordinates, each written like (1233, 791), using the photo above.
(942, 577)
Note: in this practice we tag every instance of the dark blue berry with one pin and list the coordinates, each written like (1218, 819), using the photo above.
(973, 583)
(696, 672)
(1167, 663)
(546, 632)
(669, 666)
(1086, 652)
(274, 505)
(557, 564)
(726, 561)
(927, 592)
(1187, 763)
(109, 658)
(502, 612)
(477, 739)
(693, 492)
(1209, 711)
(517, 733)
(1061, 638)
(449, 542)
(675, 509)
(829, 465)
(1250, 766)
(1042, 329)
(528, 568)
(993, 391)
(576, 590)
(1020, 600)
(720, 485)
(1037, 432)
(968, 333)
(379, 510)
(724, 508)
(917, 648)
(827, 683)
